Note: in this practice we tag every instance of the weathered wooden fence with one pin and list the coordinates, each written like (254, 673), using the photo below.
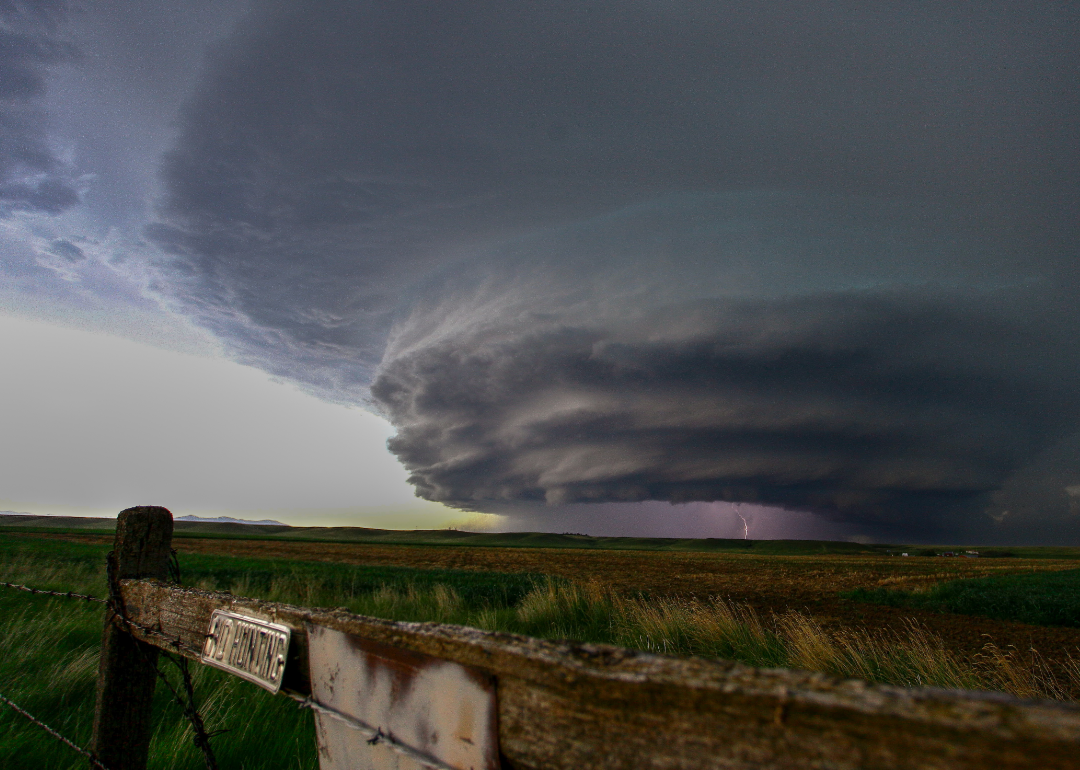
(405, 696)
(595, 706)
(551, 705)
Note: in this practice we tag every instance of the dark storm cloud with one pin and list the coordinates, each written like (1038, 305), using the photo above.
(551, 237)
(32, 175)
(885, 405)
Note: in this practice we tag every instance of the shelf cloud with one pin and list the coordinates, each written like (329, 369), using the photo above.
(820, 257)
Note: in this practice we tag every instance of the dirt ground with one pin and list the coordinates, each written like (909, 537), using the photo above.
(768, 583)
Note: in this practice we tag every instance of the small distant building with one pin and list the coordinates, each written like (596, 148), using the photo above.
(903, 554)
(971, 554)
(949, 553)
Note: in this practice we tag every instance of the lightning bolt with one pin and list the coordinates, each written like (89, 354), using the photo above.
(745, 526)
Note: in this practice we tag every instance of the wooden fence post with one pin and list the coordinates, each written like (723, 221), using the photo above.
(126, 672)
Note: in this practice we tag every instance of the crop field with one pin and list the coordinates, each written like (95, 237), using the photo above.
(871, 615)
(806, 582)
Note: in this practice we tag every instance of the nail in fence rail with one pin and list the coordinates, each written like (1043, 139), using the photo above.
(602, 707)
(127, 670)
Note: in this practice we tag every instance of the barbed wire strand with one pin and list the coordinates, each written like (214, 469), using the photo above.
(176, 644)
(119, 612)
(174, 566)
(61, 594)
(88, 754)
(201, 737)
(118, 615)
(377, 735)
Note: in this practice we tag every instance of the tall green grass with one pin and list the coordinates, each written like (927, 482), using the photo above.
(1039, 598)
(322, 584)
(48, 665)
(49, 647)
(909, 656)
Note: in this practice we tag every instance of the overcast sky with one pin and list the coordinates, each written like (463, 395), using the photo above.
(620, 267)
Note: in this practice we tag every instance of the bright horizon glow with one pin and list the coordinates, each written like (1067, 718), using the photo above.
(94, 424)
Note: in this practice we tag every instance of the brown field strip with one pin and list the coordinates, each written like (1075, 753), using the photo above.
(768, 583)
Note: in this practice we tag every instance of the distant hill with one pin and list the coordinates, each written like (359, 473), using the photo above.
(230, 520)
(12, 519)
(223, 527)
(87, 522)
(195, 525)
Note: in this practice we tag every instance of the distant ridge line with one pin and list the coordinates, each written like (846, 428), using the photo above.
(230, 520)
(451, 537)
(188, 517)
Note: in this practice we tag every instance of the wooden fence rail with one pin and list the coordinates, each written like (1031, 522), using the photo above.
(596, 706)
(488, 700)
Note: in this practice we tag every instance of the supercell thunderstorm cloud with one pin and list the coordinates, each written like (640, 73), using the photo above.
(815, 256)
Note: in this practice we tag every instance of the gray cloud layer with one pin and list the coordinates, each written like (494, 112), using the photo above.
(33, 176)
(818, 256)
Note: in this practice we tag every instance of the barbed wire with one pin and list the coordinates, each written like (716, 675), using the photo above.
(88, 754)
(174, 566)
(118, 616)
(61, 594)
(377, 735)
(118, 611)
(176, 644)
(201, 737)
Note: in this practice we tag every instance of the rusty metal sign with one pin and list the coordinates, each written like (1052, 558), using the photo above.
(383, 708)
(252, 649)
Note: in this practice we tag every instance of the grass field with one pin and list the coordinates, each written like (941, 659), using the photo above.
(752, 607)
(1042, 599)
